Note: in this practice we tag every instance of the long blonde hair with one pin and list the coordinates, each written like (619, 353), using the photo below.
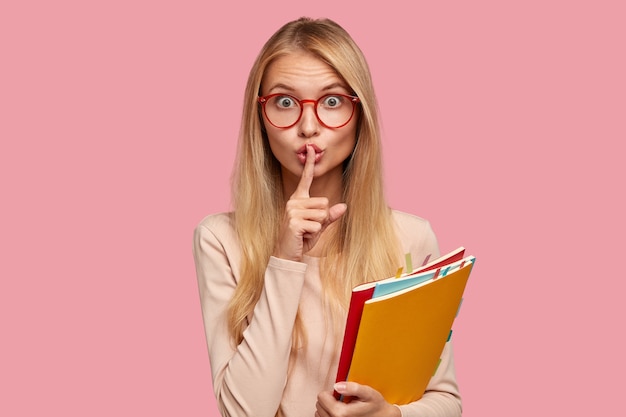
(364, 245)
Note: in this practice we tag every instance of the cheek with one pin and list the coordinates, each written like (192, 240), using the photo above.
(343, 148)
(350, 149)
(349, 140)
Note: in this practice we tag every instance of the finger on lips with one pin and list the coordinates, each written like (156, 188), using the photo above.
(307, 173)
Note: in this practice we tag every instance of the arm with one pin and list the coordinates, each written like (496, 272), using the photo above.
(247, 379)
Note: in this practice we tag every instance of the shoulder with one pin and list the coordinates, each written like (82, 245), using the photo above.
(408, 219)
(217, 227)
(217, 223)
(215, 243)
(416, 235)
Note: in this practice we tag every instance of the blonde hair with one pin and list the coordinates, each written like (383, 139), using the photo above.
(363, 246)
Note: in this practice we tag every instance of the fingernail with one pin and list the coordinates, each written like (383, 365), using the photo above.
(340, 386)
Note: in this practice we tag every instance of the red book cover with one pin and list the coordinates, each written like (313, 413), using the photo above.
(358, 299)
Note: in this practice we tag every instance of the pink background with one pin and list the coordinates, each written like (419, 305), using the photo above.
(504, 125)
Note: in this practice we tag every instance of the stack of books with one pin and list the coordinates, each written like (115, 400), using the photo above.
(397, 327)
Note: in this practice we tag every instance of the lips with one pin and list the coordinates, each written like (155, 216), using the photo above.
(301, 153)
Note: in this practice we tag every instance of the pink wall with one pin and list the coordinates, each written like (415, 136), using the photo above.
(504, 125)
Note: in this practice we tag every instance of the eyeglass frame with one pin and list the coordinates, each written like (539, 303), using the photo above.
(353, 99)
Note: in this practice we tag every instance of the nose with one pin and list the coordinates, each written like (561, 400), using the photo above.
(309, 125)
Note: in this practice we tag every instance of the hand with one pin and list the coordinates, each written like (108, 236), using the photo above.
(306, 217)
(366, 401)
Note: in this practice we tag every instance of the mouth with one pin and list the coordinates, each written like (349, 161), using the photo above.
(301, 153)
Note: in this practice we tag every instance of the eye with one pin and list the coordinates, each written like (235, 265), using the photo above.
(285, 102)
(331, 102)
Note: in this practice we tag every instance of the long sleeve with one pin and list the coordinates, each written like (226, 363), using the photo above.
(249, 379)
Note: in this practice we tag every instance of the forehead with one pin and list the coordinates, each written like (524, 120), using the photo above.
(300, 72)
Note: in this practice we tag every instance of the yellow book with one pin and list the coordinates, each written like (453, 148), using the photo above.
(401, 335)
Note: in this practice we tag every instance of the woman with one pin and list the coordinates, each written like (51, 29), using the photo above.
(309, 223)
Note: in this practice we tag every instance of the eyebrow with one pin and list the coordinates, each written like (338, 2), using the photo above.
(280, 86)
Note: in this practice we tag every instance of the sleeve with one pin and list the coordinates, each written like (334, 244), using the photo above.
(442, 397)
(248, 379)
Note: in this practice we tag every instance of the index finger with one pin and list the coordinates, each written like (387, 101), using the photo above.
(307, 173)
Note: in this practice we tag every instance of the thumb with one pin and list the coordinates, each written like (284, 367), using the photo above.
(352, 389)
(336, 211)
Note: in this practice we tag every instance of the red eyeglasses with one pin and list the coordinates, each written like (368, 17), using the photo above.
(332, 110)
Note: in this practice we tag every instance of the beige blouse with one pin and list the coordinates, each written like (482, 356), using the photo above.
(251, 378)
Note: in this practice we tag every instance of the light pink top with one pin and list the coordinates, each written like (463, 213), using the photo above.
(251, 379)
